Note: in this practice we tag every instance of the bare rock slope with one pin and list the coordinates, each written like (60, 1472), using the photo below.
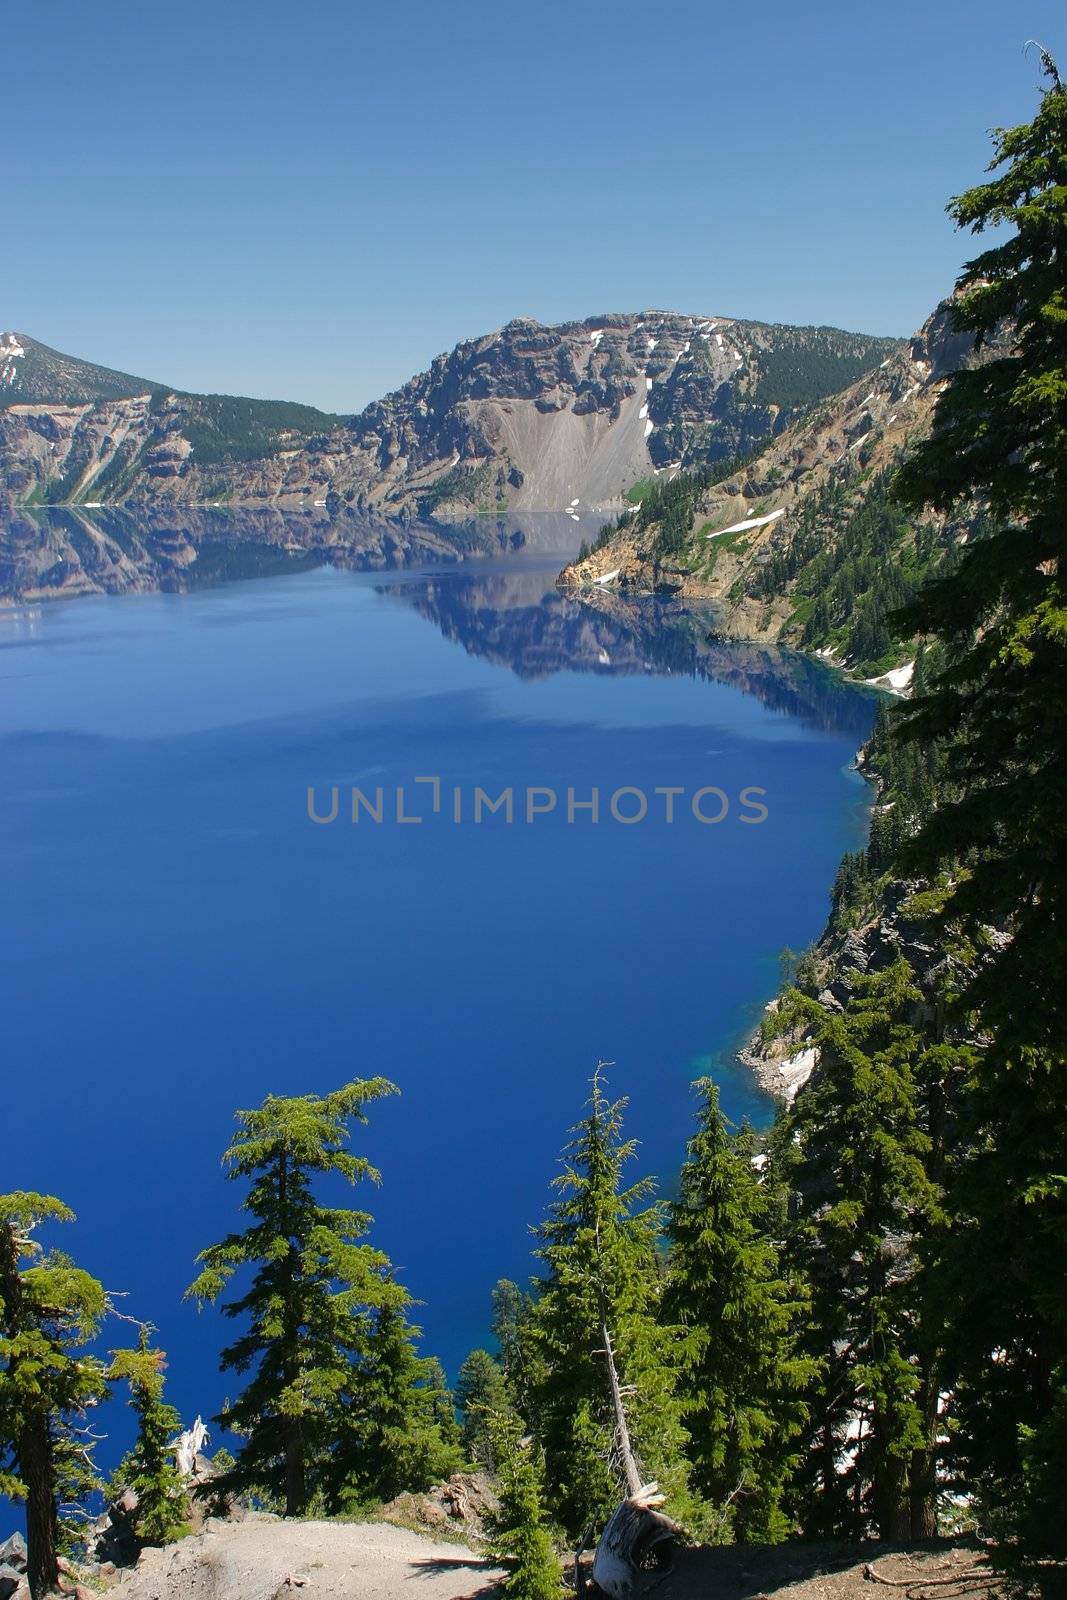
(741, 541)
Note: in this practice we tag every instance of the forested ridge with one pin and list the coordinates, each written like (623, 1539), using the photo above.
(854, 1325)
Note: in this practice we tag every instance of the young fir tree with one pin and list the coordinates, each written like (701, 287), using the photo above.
(149, 1468)
(389, 1436)
(50, 1310)
(520, 1540)
(481, 1395)
(865, 1198)
(599, 1246)
(512, 1308)
(743, 1379)
(315, 1287)
(442, 1404)
(999, 705)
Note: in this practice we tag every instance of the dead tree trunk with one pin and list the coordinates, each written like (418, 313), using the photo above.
(636, 1526)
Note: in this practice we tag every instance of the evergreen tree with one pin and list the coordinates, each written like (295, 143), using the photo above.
(859, 1159)
(149, 1468)
(316, 1286)
(520, 1539)
(998, 704)
(50, 1310)
(481, 1395)
(390, 1437)
(442, 1404)
(743, 1378)
(599, 1246)
(512, 1309)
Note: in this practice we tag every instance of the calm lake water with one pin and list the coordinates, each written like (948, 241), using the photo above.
(179, 939)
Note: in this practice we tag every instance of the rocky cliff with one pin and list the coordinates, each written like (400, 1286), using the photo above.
(529, 417)
(794, 545)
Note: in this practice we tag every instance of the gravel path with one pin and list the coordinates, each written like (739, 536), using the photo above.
(263, 1558)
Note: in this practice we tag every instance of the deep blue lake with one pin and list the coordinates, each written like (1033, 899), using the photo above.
(179, 939)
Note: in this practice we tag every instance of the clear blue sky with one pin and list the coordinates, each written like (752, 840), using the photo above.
(311, 200)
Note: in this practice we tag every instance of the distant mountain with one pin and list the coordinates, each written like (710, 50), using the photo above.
(805, 544)
(32, 373)
(528, 417)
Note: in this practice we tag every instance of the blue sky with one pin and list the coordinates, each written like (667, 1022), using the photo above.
(312, 200)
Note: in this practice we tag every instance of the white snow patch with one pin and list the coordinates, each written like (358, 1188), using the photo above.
(718, 340)
(608, 576)
(652, 343)
(574, 516)
(913, 390)
(869, 398)
(596, 336)
(749, 522)
(648, 384)
(896, 679)
(643, 413)
(893, 418)
(884, 363)
(685, 347)
(574, 502)
(648, 428)
(603, 658)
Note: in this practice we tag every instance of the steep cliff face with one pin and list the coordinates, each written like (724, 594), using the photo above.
(528, 417)
(770, 542)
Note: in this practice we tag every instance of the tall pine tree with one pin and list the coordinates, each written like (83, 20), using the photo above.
(999, 706)
(316, 1288)
(50, 1311)
(859, 1156)
(390, 1436)
(599, 1247)
(743, 1379)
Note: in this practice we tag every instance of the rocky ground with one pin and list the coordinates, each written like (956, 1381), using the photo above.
(264, 1559)
(830, 1571)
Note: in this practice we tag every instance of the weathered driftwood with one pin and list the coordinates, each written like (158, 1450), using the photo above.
(188, 1446)
(636, 1528)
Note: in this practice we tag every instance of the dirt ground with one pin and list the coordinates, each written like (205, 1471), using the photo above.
(945, 1571)
(263, 1558)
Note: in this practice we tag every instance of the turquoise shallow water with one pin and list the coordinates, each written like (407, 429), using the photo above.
(179, 938)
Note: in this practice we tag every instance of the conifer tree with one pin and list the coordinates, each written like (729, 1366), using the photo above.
(442, 1404)
(389, 1436)
(599, 1247)
(149, 1468)
(743, 1379)
(520, 1540)
(481, 1395)
(860, 1158)
(998, 704)
(50, 1310)
(512, 1309)
(315, 1288)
